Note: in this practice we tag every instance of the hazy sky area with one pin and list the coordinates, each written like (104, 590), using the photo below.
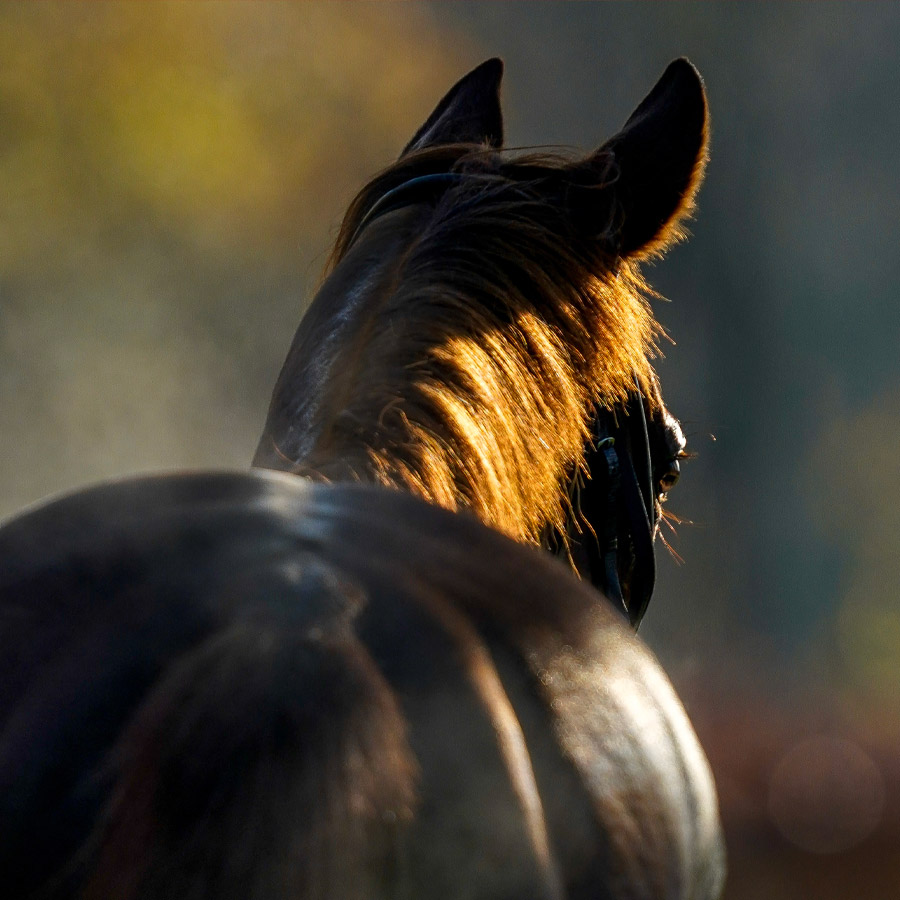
(171, 178)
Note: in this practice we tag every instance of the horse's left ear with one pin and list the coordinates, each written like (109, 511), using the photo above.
(660, 156)
(469, 113)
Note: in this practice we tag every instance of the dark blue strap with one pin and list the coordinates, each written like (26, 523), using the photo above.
(421, 189)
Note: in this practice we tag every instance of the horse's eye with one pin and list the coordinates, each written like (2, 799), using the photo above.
(669, 478)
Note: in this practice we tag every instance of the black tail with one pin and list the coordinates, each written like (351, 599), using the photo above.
(269, 761)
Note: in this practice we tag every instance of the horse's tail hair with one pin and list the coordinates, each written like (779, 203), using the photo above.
(249, 772)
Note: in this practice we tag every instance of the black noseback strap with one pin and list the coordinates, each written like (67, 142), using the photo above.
(639, 496)
(619, 506)
(640, 452)
(640, 530)
(596, 554)
(608, 568)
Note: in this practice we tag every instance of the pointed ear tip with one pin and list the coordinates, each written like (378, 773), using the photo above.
(492, 68)
(684, 68)
(685, 72)
(683, 64)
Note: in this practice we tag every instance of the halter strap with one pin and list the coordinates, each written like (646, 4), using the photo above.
(421, 189)
(615, 505)
(608, 570)
(640, 509)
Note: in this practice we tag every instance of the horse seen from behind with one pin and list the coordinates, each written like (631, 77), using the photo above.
(363, 676)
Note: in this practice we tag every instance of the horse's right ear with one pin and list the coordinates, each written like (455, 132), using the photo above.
(660, 156)
(469, 113)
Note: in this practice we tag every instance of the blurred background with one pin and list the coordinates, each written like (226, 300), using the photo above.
(171, 177)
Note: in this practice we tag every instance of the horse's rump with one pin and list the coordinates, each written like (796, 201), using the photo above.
(248, 684)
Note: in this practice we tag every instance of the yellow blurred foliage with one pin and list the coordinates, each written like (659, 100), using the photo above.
(211, 118)
(165, 170)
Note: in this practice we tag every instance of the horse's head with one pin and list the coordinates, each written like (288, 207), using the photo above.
(632, 460)
(483, 338)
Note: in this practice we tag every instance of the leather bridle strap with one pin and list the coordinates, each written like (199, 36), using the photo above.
(422, 189)
(614, 503)
(641, 525)
(607, 568)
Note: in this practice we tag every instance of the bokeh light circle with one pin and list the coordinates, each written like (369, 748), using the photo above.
(826, 795)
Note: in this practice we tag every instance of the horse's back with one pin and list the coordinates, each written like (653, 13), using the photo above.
(269, 688)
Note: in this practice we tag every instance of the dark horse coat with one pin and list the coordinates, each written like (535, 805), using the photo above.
(247, 685)
(262, 686)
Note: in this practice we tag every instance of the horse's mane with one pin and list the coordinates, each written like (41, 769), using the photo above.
(505, 324)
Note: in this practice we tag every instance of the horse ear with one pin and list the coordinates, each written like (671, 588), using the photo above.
(660, 156)
(469, 113)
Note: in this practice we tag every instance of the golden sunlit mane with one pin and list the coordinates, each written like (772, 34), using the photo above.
(515, 324)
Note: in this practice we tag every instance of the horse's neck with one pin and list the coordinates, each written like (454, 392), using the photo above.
(507, 475)
(470, 392)
(425, 393)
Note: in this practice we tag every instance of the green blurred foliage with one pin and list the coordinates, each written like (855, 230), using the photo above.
(854, 491)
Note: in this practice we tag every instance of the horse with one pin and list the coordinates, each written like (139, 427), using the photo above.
(364, 676)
